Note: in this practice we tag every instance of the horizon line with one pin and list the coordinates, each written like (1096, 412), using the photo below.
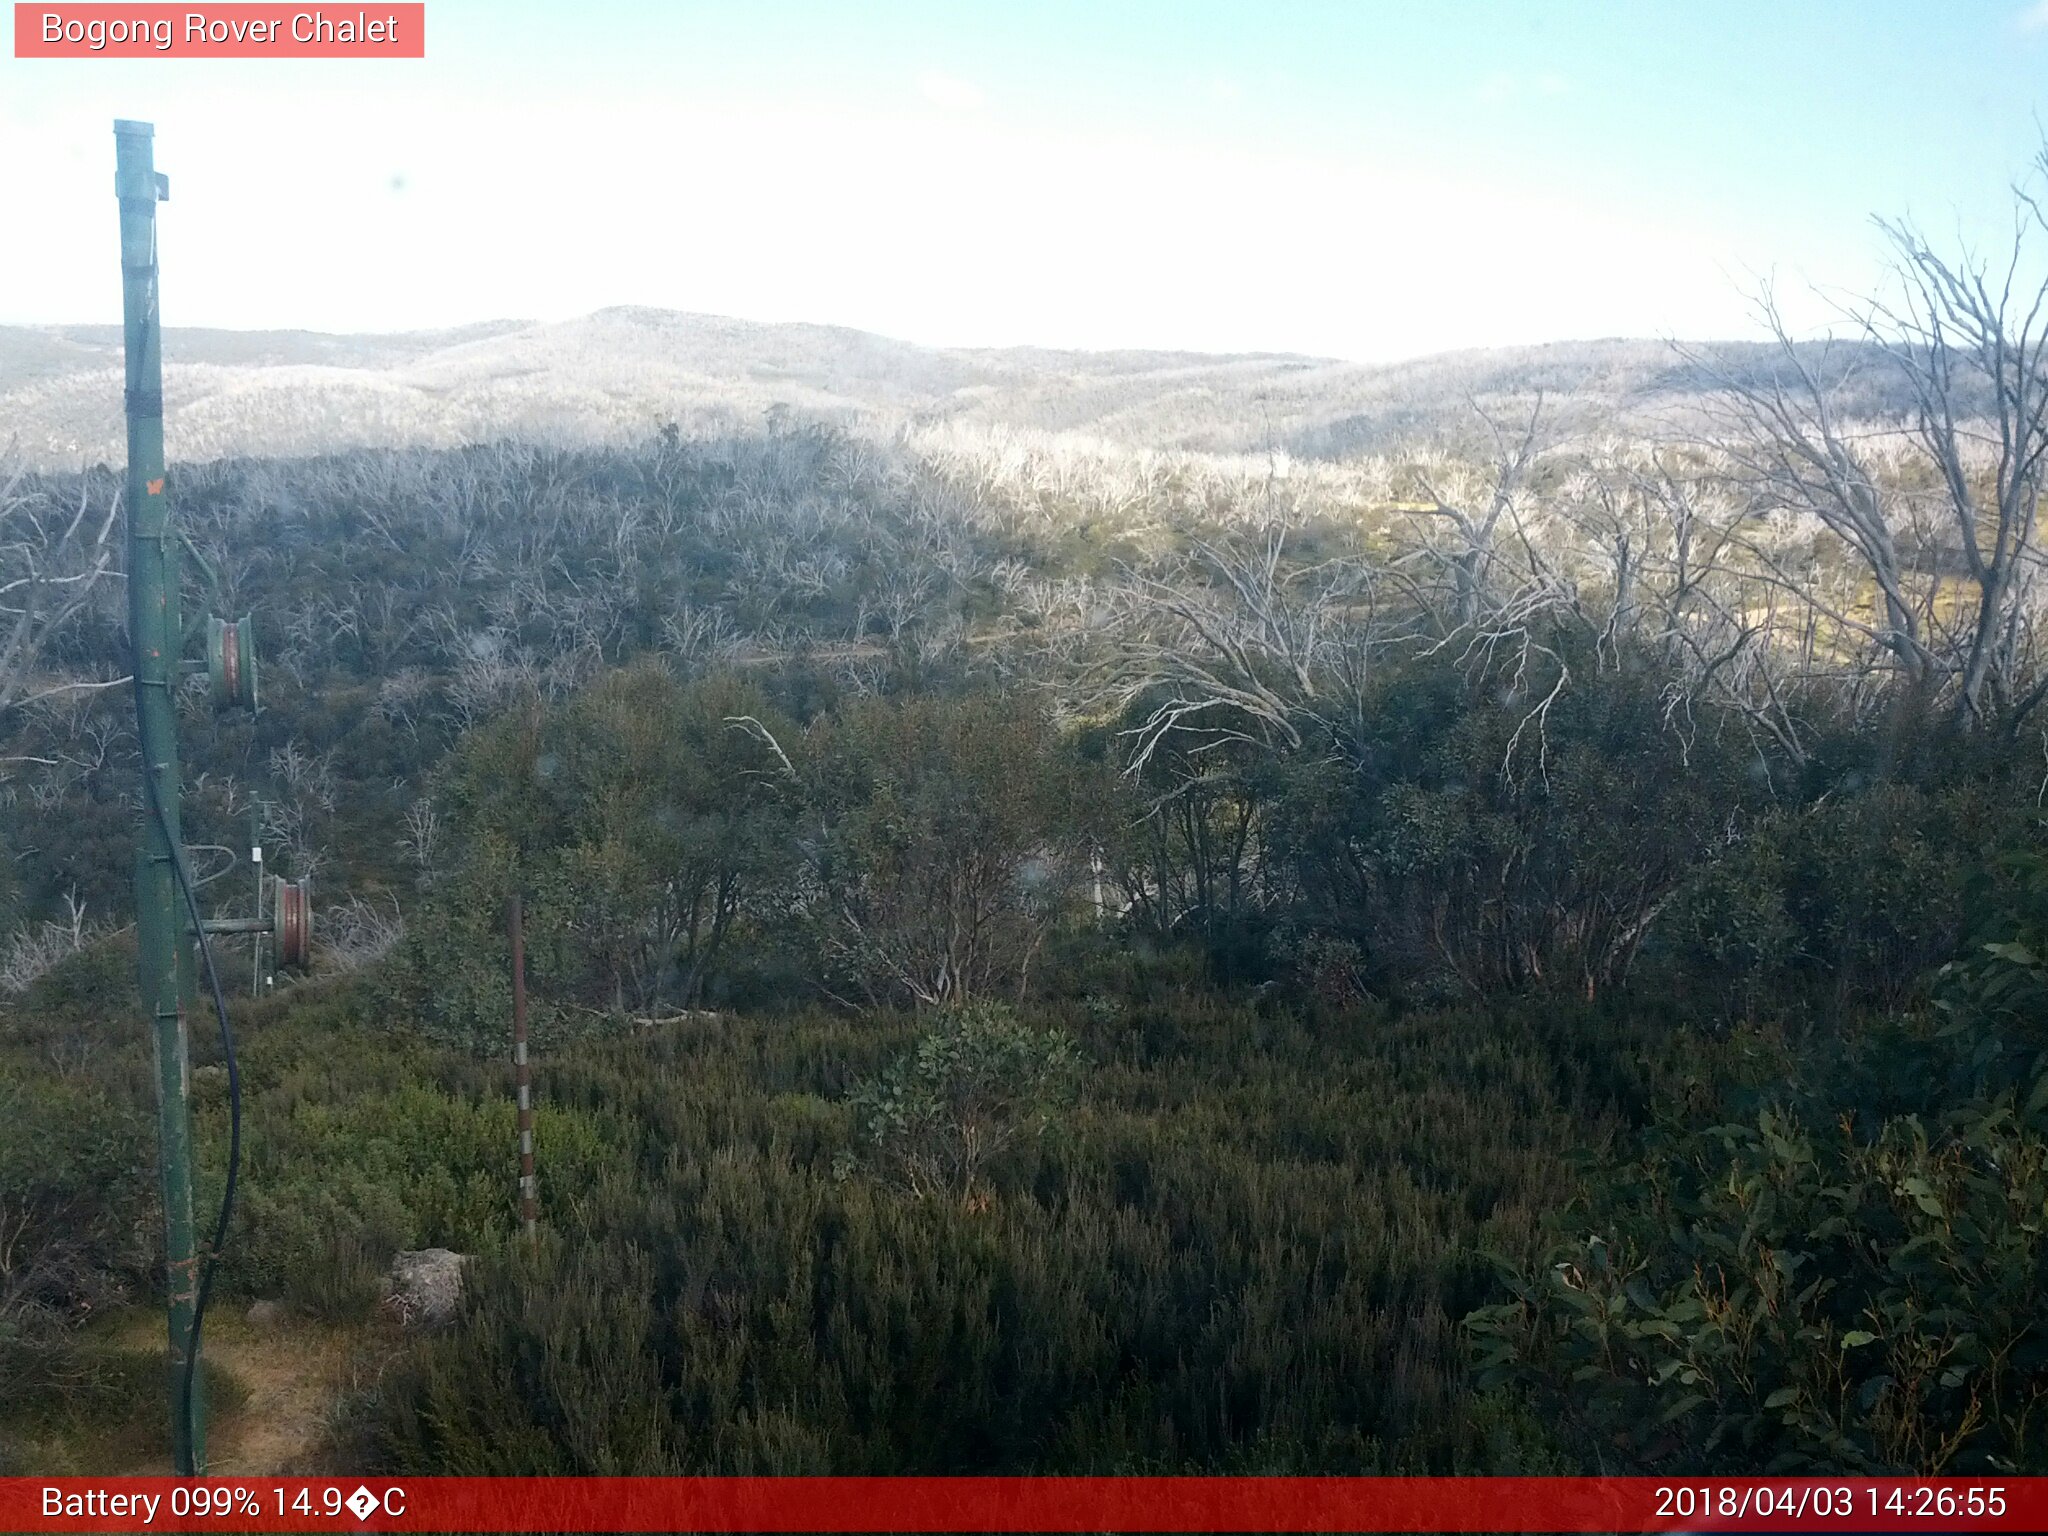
(507, 324)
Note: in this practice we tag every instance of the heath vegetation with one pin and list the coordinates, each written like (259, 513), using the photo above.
(1495, 939)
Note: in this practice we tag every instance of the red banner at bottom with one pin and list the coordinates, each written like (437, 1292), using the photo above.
(940, 1504)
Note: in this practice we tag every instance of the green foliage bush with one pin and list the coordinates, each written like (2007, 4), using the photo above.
(93, 987)
(1848, 1278)
(72, 1201)
(947, 1116)
(647, 831)
(951, 835)
(1770, 1297)
(1480, 845)
(677, 842)
(1876, 881)
(2001, 981)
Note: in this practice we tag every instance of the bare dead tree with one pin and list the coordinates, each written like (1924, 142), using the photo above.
(1970, 337)
(1948, 495)
(1787, 435)
(1234, 645)
(355, 933)
(698, 637)
(1672, 566)
(489, 671)
(421, 840)
(34, 950)
(1473, 501)
(52, 560)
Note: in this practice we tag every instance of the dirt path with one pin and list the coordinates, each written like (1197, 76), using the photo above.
(294, 1373)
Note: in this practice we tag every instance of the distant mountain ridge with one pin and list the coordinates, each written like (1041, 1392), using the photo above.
(621, 372)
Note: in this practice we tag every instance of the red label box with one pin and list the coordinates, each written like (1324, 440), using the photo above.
(239, 31)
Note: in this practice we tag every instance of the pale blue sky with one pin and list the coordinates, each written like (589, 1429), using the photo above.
(1356, 179)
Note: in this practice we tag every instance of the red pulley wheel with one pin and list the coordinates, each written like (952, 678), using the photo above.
(231, 662)
(291, 933)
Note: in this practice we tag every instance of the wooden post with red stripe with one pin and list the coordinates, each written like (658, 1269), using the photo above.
(522, 1075)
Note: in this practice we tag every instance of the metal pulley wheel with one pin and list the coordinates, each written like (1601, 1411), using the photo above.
(291, 922)
(231, 662)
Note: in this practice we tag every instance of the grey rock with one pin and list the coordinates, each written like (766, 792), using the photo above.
(425, 1287)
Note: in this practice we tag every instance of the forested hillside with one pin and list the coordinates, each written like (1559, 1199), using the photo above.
(1518, 949)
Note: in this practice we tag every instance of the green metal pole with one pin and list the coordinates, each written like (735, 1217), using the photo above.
(157, 633)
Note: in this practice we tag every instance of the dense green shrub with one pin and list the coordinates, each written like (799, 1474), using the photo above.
(450, 980)
(951, 836)
(93, 989)
(946, 1116)
(1773, 1297)
(1244, 1254)
(353, 1151)
(1875, 882)
(647, 830)
(1848, 1278)
(1186, 851)
(71, 1199)
(1478, 839)
(2001, 981)
(1729, 920)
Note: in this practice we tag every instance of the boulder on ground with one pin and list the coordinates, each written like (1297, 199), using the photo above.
(425, 1287)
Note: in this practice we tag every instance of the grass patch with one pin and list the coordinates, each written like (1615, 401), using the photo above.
(106, 1408)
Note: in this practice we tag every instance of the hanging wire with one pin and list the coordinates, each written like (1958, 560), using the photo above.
(227, 1045)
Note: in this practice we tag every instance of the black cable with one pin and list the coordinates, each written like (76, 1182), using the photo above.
(227, 1045)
